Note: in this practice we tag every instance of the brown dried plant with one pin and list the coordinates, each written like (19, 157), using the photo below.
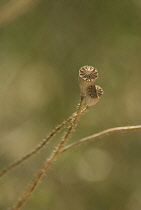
(90, 94)
(85, 81)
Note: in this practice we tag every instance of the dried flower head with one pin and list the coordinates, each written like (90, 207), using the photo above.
(87, 76)
(94, 93)
(88, 73)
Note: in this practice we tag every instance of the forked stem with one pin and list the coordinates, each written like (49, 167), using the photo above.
(49, 161)
(40, 145)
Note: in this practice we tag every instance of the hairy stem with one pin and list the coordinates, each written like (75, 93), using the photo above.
(40, 145)
(49, 162)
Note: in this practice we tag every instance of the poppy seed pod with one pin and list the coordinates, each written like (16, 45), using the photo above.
(87, 76)
(94, 93)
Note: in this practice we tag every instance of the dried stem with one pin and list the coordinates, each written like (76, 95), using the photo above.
(40, 145)
(101, 134)
(49, 162)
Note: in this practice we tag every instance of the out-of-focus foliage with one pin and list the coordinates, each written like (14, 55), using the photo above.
(40, 54)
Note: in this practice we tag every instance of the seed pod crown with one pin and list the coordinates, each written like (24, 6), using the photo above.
(94, 93)
(87, 76)
(88, 73)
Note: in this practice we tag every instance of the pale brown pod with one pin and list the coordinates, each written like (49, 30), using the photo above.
(87, 77)
(94, 93)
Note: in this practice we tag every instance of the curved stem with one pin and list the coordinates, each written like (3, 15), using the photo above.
(101, 134)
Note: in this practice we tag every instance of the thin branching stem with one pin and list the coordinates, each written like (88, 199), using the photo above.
(101, 134)
(40, 145)
(49, 161)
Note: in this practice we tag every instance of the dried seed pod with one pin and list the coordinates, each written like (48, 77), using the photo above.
(94, 93)
(87, 76)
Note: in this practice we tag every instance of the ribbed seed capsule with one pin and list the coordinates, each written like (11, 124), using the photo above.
(87, 76)
(94, 93)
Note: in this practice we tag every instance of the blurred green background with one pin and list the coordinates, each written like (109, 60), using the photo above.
(42, 48)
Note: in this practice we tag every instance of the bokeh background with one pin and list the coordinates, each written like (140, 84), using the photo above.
(42, 46)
